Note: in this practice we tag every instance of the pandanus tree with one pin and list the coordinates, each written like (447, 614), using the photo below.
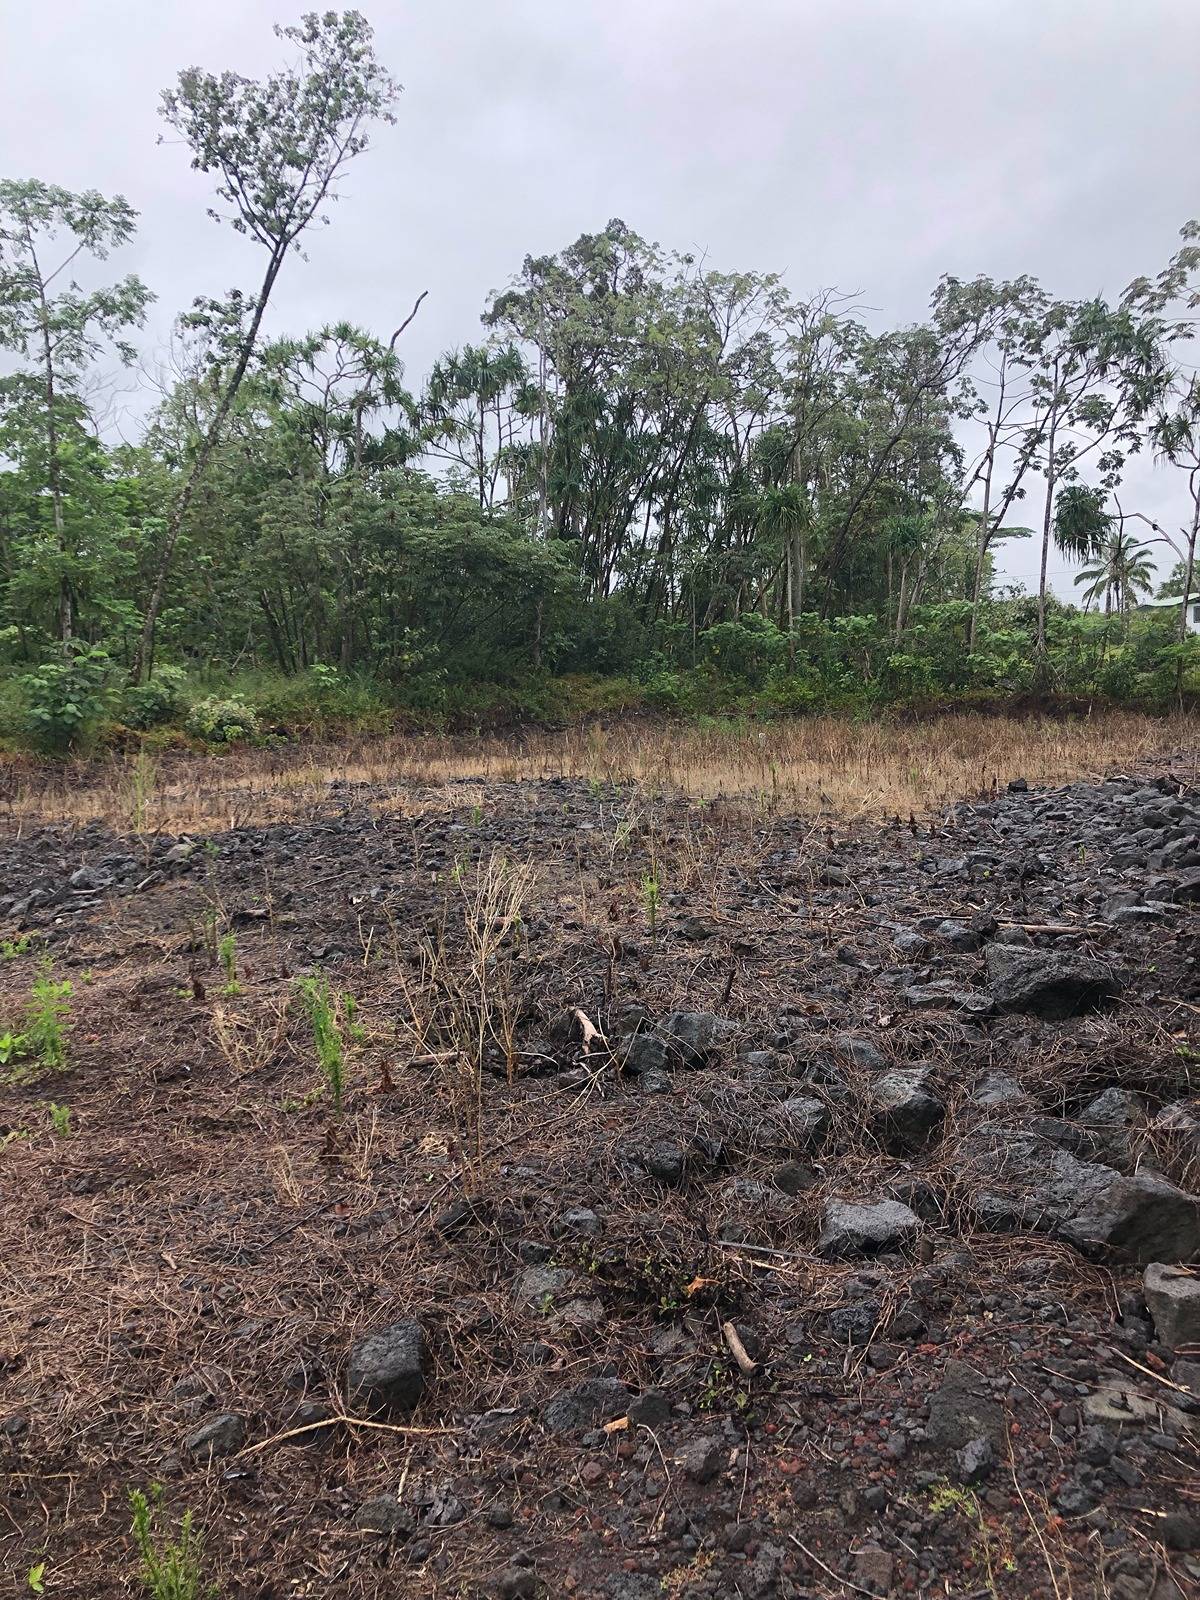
(471, 412)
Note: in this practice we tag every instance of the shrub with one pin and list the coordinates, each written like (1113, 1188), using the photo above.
(222, 721)
(149, 705)
(745, 649)
(66, 700)
(789, 694)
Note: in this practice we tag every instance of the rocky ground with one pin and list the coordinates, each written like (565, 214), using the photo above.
(818, 1221)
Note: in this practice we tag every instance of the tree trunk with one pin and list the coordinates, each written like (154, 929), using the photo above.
(145, 646)
(985, 534)
(1189, 573)
(66, 617)
(1047, 517)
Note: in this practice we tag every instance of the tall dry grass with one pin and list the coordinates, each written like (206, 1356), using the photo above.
(818, 764)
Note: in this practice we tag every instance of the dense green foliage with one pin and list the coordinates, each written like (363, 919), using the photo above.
(650, 482)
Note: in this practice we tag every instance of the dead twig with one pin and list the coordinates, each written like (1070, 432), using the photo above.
(350, 1422)
(589, 1031)
(1158, 1378)
(828, 1571)
(747, 1365)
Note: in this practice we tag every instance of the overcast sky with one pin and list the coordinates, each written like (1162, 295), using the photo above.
(868, 144)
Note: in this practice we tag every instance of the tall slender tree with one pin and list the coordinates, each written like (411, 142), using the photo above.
(278, 148)
(1095, 373)
(61, 328)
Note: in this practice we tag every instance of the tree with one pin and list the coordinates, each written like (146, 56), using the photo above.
(1094, 374)
(1122, 570)
(997, 394)
(1175, 436)
(472, 406)
(1081, 522)
(47, 318)
(278, 148)
(905, 388)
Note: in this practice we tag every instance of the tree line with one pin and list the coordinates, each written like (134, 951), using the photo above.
(643, 464)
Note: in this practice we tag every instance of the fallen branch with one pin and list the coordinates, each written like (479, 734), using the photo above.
(747, 1366)
(590, 1032)
(1157, 1376)
(1186, 1005)
(350, 1422)
(829, 1572)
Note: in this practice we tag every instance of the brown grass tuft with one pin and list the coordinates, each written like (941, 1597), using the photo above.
(830, 765)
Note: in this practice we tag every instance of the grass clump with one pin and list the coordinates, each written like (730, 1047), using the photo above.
(170, 1568)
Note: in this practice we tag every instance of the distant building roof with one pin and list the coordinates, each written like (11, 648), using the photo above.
(1175, 600)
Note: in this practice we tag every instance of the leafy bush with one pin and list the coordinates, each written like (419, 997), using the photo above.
(745, 649)
(149, 705)
(65, 701)
(1117, 677)
(790, 694)
(668, 690)
(222, 721)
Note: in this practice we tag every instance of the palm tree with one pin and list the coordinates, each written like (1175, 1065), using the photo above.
(1120, 572)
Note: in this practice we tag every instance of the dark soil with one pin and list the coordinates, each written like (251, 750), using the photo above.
(979, 1407)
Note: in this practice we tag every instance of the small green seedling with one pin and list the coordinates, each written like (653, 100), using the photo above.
(36, 1578)
(650, 899)
(44, 1035)
(171, 1568)
(45, 1028)
(327, 1036)
(10, 949)
(60, 1119)
(227, 952)
(353, 1026)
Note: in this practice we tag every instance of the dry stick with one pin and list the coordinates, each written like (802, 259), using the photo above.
(836, 1576)
(591, 1033)
(1185, 1005)
(1150, 1373)
(1061, 927)
(1012, 1467)
(352, 1422)
(747, 1366)
(283, 1233)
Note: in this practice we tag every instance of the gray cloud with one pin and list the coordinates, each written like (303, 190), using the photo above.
(862, 143)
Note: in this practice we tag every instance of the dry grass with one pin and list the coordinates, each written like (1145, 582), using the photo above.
(820, 764)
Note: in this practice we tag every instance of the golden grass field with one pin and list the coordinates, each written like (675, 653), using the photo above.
(819, 764)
